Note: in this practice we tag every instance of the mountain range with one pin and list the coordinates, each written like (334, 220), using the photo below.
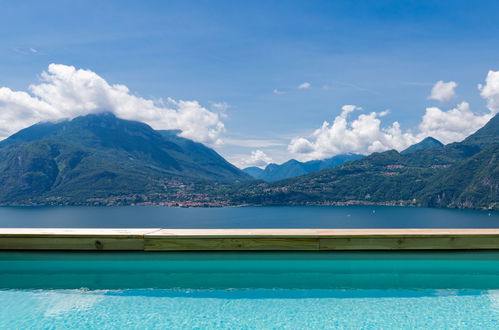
(100, 159)
(292, 168)
(462, 174)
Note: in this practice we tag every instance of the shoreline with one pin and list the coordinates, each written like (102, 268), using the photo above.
(228, 205)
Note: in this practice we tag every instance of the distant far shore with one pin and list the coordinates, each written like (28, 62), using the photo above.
(223, 204)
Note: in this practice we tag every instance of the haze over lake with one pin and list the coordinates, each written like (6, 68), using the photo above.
(247, 217)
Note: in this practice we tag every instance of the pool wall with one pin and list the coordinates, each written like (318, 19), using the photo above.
(103, 270)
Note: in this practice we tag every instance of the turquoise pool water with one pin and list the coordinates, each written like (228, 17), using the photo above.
(250, 290)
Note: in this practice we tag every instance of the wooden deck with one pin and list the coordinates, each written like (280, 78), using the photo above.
(156, 239)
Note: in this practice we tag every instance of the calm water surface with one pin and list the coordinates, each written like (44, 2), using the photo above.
(247, 217)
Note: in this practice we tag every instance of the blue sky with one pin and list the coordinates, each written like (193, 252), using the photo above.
(377, 55)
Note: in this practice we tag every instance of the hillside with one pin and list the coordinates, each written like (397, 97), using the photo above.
(463, 174)
(292, 168)
(99, 156)
(472, 182)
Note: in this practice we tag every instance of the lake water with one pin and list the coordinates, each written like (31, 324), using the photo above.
(247, 217)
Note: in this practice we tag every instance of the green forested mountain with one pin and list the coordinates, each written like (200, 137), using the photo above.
(100, 159)
(463, 174)
(426, 143)
(469, 183)
(98, 156)
(292, 168)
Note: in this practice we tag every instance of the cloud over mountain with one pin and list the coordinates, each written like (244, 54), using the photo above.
(490, 91)
(67, 92)
(257, 158)
(365, 134)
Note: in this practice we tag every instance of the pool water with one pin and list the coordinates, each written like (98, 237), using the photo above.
(300, 309)
(250, 290)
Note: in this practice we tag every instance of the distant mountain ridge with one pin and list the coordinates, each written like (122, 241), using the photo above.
(98, 156)
(293, 168)
(462, 174)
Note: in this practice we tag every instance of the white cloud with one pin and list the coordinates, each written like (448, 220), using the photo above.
(490, 91)
(257, 158)
(443, 91)
(452, 125)
(365, 134)
(305, 85)
(277, 92)
(67, 92)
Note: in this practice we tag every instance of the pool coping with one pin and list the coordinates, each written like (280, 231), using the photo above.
(269, 239)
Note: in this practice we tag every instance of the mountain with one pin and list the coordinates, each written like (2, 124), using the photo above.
(99, 156)
(254, 171)
(474, 181)
(461, 174)
(292, 168)
(103, 160)
(427, 143)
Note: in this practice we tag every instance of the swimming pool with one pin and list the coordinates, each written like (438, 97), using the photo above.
(451, 289)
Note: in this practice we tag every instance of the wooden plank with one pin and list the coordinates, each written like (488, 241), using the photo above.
(309, 232)
(97, 239)
(240, 233)
(72, 232)
(72, 243)
(154, 239)
(230, 244)
(431, 242)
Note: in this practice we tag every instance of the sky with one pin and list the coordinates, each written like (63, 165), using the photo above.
(259, 81)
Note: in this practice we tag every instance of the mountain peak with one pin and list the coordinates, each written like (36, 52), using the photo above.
(431, 139)
(426, 143)
(100, 155)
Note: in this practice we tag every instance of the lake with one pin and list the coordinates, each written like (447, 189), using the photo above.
(247, 217)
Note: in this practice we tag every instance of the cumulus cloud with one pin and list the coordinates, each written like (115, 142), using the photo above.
(365, 133)
(278, 92)
(305, 85)
(362, 135)
(490, 91)
(257, 158)
(443, 91)
(66, 92)
(452, 125)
